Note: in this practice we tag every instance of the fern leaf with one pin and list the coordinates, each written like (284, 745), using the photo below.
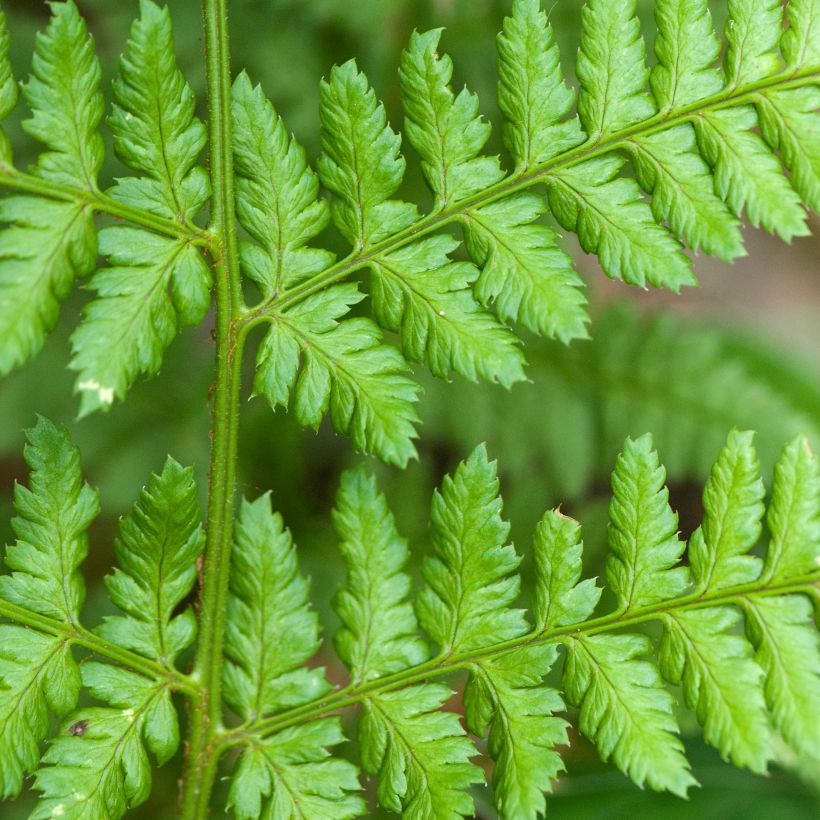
(668, 166)
(747, 175)
(613, 221)
(783, 633)
(8, 87)
(794, 514)
(421, 755)
(733, 508)
(134, 317)
(446, 130)
(752, 35)
(154, 284)
(344, 367)
(153, 123)
(800, 42)
(160, 541)
(625, 710)
(507, 695)
(687, 49)
(418, 291)
(720, 681)
(561, 598)
(524, 272)
(277, 195)
(104, 770)
(642, 530)
(44, 247)
(379, 629)
(290, 776)
(788, 122)
(270, 630)
(532, 94)
(611, 68)
(472, 579)
(53, 515)
(66, 102)
(361, 161)
(38, 675)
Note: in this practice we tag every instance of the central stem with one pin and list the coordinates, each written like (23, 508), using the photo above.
(206, 711)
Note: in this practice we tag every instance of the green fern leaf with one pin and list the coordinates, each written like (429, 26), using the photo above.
(446, 130)
(379, 629)
(38, 675)
(418, 291)
(668, 166)
(53, 515)
(270, 630)
(44, 247)
(747, 175)
(720, 682)
(276, 195)
(472, 579)
(733, 508)
(611, 68)
(160, 541)
(794, 514)
(361, 161)
(154, 284)
(784, 635)
(613, 221)
(687, 49)
(788, 122)
(506, 694)
(800, 42)
(642, 530)
(8, 87)
(625, 710)
(421, 755)
(134, 317)
(344, 366)
(66, 101)
(532, 94)
(290, 776)
(104, 770)
(153, 123)
(525, 274)
(559, 597)
(752, 34)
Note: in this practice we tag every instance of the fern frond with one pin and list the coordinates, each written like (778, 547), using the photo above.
(361, 160)
(642, 530)
(270, 629)
(445, 129)
(9, 91)
(421, 293)
(379, 629)
(342, 366)
(532, 94)
(421, 755)
(739, 687)
(470, 580)
(47, 245)
(53, 515)
(160, 541)
(154, 283)
(38, 675)
(289, 776)
(102, 769)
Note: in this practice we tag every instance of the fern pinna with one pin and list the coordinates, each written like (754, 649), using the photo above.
(640, 165)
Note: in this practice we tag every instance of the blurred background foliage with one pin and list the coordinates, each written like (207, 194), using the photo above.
(740, 350)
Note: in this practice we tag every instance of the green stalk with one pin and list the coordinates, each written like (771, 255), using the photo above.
(206, 712)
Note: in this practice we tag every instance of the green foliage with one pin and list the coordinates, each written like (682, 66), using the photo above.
(644, 165)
